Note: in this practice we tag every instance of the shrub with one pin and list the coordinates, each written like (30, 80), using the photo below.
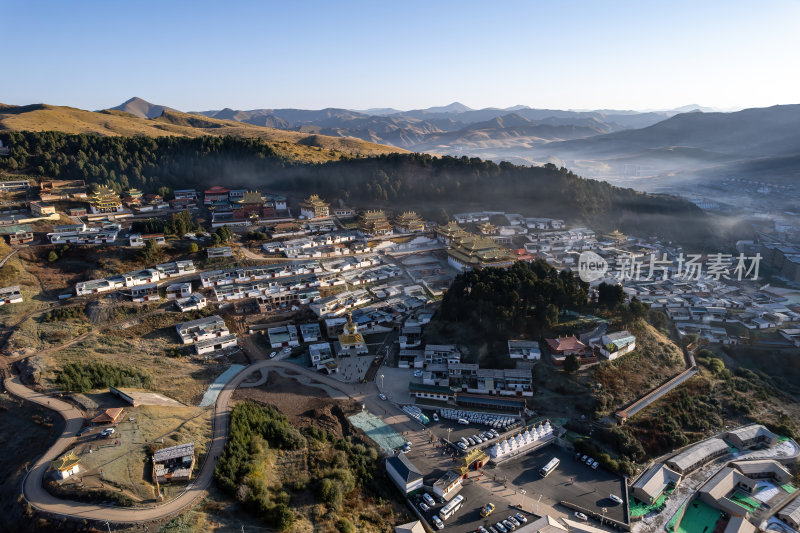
(345, 526)
(83, 377)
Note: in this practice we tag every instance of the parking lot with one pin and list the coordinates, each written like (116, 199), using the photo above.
(503, 484)
(572, 481)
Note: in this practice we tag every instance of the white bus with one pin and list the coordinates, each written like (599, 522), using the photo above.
(450, 509)
(549, 467)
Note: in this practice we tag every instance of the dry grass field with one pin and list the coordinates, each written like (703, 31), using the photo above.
(296, 145)
(121, 463)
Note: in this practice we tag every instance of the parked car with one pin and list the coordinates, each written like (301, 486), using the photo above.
(435, 417)
(493, 530)
(272, 355)
(615, 498)
(589, 461)
(501, 528)
(581, 516)
(509, 525)
(487, 509)
(521, 517)
(83, 430)
(514, 521)
(424, 507)
(595, 464)
(578, 456)
(583, 459)
(382, 396)
(106, 433)
(418, 373)
(437, 522)
(463, 421)
(430, 501)
(461, 445)
(482, 529)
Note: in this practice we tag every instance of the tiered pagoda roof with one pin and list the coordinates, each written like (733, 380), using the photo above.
(410, 221)
(374, 221)
(251, 197)
(475, 251)
(105, 197)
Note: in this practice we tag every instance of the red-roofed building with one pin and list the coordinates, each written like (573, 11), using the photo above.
(566, 345)
(215, 194)
(108, 416)
(561, 347)
(523, 255)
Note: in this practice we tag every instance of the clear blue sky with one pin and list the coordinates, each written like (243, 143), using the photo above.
(199, 55)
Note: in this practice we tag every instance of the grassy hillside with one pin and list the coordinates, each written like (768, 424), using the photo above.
(299, 146)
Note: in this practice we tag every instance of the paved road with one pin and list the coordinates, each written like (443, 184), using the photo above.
(42, 500)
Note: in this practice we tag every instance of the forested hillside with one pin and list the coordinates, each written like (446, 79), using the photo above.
(434, 186)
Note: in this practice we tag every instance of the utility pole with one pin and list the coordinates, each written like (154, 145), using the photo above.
(537, 504)
(522, 503)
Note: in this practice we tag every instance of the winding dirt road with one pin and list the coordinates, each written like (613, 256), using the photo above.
(36, 495)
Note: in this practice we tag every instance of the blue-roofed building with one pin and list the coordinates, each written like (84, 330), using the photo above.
(403, 473)
(616, 344)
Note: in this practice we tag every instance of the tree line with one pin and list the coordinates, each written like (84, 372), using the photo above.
(400, 181)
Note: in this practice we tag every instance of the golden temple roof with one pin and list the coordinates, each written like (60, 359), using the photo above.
(66, 462)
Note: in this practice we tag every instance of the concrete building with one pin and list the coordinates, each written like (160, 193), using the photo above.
(403, 473)
(322, 357)
(138, 240)
(545, 524)
(10, 295)
(751, 436)
(178, 290)
(522, 349)
(174, 463)
(448, 485)
(193, 302)
(791, 513)
(411, 527)
(42, 209)
(145, 293)
(698, 455)
(283, 336)
(616, 344)
(215, 344)
(219, 251)
(202, 329)
(310, 332)
(653, 482)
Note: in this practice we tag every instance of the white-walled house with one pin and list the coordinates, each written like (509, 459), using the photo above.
(403, 473)
(193, 302)
(522, 349)
(202, 329)
(215, 344)
(179, 290)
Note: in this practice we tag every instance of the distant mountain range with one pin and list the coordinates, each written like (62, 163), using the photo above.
(649, 150)
(491, 133)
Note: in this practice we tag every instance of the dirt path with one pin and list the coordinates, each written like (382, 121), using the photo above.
(39, 498)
